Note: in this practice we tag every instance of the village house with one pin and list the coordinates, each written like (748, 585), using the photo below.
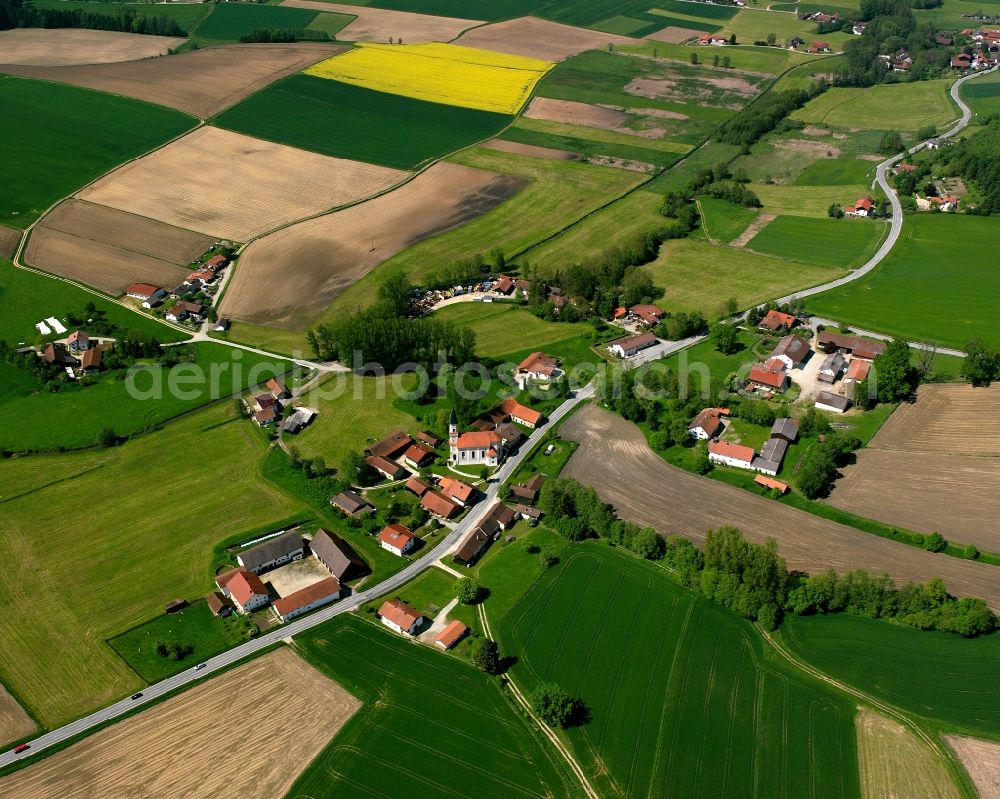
(708, 424)
(185, 290)
(510, 435)
(216, 262)
(833, 403)
(337, 555)
(438, 505)
(417, 486)
(859, 28)
(278, 389)
(397, 539)
(351, 504)
(268, 416)
(631, 345)
(819, 47)
(961, 61)
(527, 511)
(832, 366)
(217, 604)
(93, 359)
(648, 315)
(450, 635)
(273, 553)
(392, 446)
(792, 351)
(521, 414)
(458, 492)
(390, 470)
(183, 310)
(418, 456)
(400, 617)
(857, 371)
(856, 346)
(504, 286)
(320, 593)
(58, 355)
(729, 454)
(78, 341)
(776, 321)
(537, 366)
(862, 208)
(713, 40)
(503, 515)
(244, 589)
(429, 439)
(476, 542)
(770, 377)
(148, 294)
(529, 490)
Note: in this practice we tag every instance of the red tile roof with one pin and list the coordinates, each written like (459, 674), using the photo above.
(451, 634)
(858, 370)
(513, 408)
(418, 454)
(727, 449)
(775, 320)
(308, 595)
(767, 377)
(277, 388)
(439, 505)
(399, 613)
(484, 440)
(709, 421)
(244, 585)
(768, 482)
(417, 486)
(538, 362)
(456, 489)
(142, 289)
(395, 535)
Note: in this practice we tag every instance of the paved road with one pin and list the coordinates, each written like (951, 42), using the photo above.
(293, 628)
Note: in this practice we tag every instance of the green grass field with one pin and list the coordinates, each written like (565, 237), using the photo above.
(427, 593)
(57, 138)
(346, 121)
(982, 94)
(837, 172)
(935, 286)
(824, 242)
(723, 221)
(29, 297)
(749, 277)
(162, 502)
(751, 25)
(684, 700)
(73, 417)
(463, 737)
(938, 676)
(806, 75)
(812, 201)
(187, 15)
(194, 626)
(754, 59)
(904, 106)
(229, 21)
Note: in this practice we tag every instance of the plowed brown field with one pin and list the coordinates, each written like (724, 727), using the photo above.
(616, 461)
(233, 186)
(286, 279)
(573, 113)
(673, 35)
(982, 760)
(9, 239)
(64, 46)
(200, 82)
(246, 733)
(933, 467)
(538, 38)
(108, 249)
(378, 24)
(14, 722)
(530, 150)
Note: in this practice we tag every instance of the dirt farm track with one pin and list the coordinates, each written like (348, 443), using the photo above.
(933, 467)
(246, 733)
(616, 461)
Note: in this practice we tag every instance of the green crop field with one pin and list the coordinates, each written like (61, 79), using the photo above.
(836, 172)
(845, 7)
(96, 542)
(935, 286)
(939, 676)
(463, 737)
(29, 297)
(229, 21)
(806, 200)
(187, 15)
(747, 276)
(700, 10)
(723, 221)
(331, 23)
(683, 699)
(338, 119)
(74, 416)
(902, 106)
(58, 138)
(983, 94)
(825, 242)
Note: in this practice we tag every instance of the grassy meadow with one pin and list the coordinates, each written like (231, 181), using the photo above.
(446, 713)
(683, 698)
(58, 138)
(229, 21)
(812, 201)
(837, 172)
(338, 119)
(753, 59)
(132, 551)
(982, 94)
(751, 25)
(824, 242)
(904, 106)
(935, 286)
(722, 221)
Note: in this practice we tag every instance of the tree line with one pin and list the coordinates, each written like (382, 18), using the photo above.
(753, 580)
(283, 35)
(18, 14)
(764, 114)
(977, 159)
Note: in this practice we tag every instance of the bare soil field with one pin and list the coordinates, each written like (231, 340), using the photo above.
(286, 279)
(9, 239)
(894, 762)
(530, 150)
(982, 761)
(573, 113)
(200, 82)
(673, 35)
(281, 713)
(816, 149)
(933, 467)
(233, 186)
(14, 722)
(108, 249)
(616, 461)
(761, 222)
(377, 24)
(538, 38)
(65, 46)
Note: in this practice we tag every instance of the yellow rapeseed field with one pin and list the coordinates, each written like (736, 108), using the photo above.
(439, 73)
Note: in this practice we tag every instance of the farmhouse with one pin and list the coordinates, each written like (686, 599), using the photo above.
(832, 366)
(418, 456)
(265, 417)
(351, 504)
(145, 292)
(438, 505)
(458, 492)
(273, 553)
(712, 39)
(857, 371)
(863, 207)
(477, 542)
(961, 61)
(834, 403)
(792, 351)
(185, 310)
(708, 423)
(538, 366)
(397, 539)
(503, 515)
(93, 359)
(450, 635)
(521, 414)
(648, 315)
(776, 320)
(819, 47)
(391, 446)
(504, 286)
(787, 429)
(729, 454)
(320, 593)
(771, 378)
(78, 341)
(417, 486)
(244, 588)
(217, 604)
(337, 555)
(57, 355)
(278, 389)
(400, 617)
(630, 345)
(528, 491)
(855, 345)
(390, 470)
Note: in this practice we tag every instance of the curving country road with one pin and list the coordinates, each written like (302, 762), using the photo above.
(290, 629)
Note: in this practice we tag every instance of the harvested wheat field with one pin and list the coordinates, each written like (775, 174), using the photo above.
(616, 461)
(200, 82)
(378, 24)
(571, 112)
(286, 279)
(933, 467)
(9, 239)
(982, 761)
(894, 762)
(60, 47)
(538, 38)
(232, 186)
(672, 35)
(530, 150)
(14, 722)
(249, 732)
(109, 249)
